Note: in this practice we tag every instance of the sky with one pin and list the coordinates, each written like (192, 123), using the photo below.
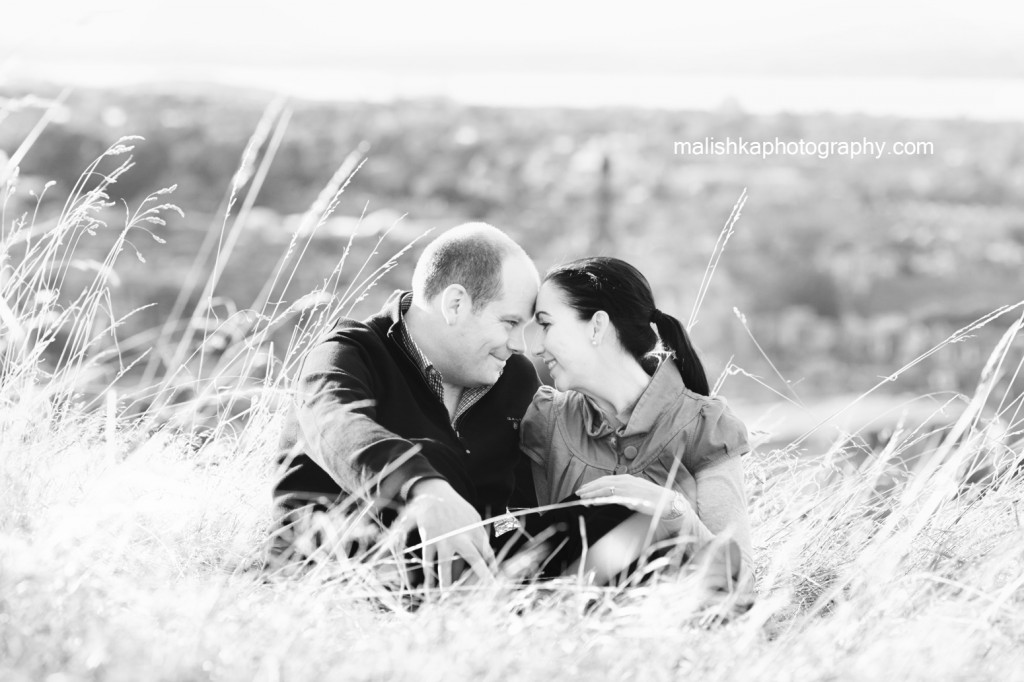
(535, 52)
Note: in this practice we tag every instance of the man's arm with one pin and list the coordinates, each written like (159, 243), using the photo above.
(337, 414)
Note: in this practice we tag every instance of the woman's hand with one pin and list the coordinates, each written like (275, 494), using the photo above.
(633, 492)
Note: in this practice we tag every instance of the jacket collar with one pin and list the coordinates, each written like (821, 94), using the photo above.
(394, 308)
(660, 395)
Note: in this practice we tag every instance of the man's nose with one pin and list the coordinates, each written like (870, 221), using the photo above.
(517, 340)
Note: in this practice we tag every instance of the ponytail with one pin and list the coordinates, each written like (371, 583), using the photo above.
(674, 338)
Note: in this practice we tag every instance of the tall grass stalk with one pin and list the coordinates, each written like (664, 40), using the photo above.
(273, 122)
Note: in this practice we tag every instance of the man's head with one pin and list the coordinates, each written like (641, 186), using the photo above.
(477, 288)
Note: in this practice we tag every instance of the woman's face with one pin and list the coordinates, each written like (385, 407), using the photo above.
(563, 341)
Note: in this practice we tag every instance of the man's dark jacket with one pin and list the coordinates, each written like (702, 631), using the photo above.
(362, 406)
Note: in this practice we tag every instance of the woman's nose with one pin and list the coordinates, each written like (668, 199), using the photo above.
(533, 339)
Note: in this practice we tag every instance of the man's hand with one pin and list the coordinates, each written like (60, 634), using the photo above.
(438, 510)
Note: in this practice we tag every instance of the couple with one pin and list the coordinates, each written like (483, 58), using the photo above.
(433, 410)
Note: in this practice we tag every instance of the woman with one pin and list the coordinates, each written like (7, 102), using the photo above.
(629, 422)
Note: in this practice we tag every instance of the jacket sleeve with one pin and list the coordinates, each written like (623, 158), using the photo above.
(535, 434)
(337, 412)
(535, 440)
(721, 508)
(719, 435)
(721, 503)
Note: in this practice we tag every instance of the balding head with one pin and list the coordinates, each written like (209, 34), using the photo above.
(471, 255)
(473, 294)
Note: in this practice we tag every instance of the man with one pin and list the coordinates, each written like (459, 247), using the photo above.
(420, 405)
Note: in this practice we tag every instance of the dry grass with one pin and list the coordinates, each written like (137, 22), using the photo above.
(139, 565)
(127, 552)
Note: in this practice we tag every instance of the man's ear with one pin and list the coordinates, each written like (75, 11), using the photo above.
(455, 302)
(599, 325)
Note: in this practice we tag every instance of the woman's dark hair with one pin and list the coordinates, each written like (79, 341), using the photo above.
(616, 287)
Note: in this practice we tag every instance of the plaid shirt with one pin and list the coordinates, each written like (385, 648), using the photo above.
(469, 397)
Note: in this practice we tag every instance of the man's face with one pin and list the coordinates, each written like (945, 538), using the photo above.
(486, 338)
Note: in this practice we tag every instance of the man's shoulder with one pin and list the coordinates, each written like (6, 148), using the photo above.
(351, 343)
(379, 323)
(372, 330)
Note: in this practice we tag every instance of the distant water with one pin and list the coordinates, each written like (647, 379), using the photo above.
(988, 99)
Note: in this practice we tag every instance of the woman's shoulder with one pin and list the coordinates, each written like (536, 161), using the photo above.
(712, 405)
(577, 414)
(547, 400)
(550, 399)
(545, 408)
(690, 409)
(716, 430)
(553, 420)
(569, 409)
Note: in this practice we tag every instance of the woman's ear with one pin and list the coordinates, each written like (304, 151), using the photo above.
(599, 324)
(454, 303)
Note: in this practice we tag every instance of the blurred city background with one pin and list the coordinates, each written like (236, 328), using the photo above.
(840, 271)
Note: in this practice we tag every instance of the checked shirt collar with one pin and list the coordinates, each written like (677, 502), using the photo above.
(470, 396)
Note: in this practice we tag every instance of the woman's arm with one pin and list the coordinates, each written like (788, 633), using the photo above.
(721, 506)
(722, 503)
